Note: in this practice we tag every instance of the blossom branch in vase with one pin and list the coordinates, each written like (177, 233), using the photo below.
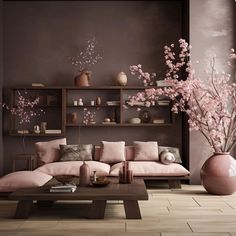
(24, 109)
(209, 103)
(86, 58)
(88, 117)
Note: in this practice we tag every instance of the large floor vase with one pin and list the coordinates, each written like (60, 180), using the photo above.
(218, 174)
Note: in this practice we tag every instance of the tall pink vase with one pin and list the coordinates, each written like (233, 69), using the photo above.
(218, 174)
(84, 175)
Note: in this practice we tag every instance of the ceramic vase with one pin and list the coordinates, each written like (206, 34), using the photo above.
(82, 79)
(74, 118)
(121, 79)
(84, 175)
(218, 174)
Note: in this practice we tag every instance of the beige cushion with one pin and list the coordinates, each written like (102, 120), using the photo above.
(151, 168)
(146, 151)
(166, 157)
(48, 152)
(73, 168)
(113, 152)
(23, 179)
(173, 150)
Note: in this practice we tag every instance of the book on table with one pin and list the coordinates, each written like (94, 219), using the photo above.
(63, 188)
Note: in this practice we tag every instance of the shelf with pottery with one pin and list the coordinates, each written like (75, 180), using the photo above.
(108, 102)
(119, 125)
(47, 118)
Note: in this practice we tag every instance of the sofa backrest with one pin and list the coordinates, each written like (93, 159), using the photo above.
(129, 153)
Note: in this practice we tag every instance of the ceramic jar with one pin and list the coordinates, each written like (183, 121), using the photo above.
(82, 79)
(121, 79)
(218, 174)
(74, 118)
(98, 101)
(84, 175)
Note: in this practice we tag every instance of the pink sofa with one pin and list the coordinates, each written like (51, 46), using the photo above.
(155, 170)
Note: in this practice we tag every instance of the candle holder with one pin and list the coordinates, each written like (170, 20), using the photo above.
(125, 174)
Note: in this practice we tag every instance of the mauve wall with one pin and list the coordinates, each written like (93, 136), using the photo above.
(211, 32)
(1, 81)
(40, 36)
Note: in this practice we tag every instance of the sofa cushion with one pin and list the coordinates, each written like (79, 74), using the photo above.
(76, 152)
(113, 152)
(48, 152)
(129, 153)
(72, 168)
(151, 168)
(23, 179)
(146, 151)
(173, 150)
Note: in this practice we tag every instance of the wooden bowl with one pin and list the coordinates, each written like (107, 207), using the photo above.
(101, 183)
(64, 179)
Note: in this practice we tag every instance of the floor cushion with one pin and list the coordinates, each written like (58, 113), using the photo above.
(72, 168)
(151, 168)
(23, 179)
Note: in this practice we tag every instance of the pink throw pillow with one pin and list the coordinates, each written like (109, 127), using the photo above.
(113, 152)
(23, 179)
(146, 151)
(48, 152)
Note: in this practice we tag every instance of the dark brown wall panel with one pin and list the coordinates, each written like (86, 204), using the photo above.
(40, 36)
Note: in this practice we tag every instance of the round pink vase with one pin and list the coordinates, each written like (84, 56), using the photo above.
(218, 174)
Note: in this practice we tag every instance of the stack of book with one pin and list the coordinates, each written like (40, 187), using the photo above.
(158, 121)
(163, 102)
(113, 103)
(53, 131)
(63, 188)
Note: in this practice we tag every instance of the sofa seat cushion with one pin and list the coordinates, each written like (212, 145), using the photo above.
(23, 179)
(151, 168)
(72, 168)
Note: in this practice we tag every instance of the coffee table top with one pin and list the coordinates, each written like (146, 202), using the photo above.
(114, 191)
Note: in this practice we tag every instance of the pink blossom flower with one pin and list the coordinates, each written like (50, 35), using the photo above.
(210, 104)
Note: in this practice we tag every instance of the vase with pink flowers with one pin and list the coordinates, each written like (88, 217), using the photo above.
(210, 105)
(84, 61)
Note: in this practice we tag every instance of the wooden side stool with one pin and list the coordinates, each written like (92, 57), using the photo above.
(28, 159)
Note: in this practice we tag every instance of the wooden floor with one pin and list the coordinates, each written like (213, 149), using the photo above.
(189, 211)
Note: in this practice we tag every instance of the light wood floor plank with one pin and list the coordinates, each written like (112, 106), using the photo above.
(180, 212)
(195, 234)
(214, 226)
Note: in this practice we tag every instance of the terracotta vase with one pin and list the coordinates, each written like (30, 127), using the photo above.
(74, 118)
(218, 174)
(82, 79)
(84, 175)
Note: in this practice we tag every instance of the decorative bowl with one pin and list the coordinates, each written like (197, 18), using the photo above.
(100, 183)
(64, 179)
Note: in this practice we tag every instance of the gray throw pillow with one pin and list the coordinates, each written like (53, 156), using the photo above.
(173, 150)
(81, 152)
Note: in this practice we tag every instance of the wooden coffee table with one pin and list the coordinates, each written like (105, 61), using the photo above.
(128, 193)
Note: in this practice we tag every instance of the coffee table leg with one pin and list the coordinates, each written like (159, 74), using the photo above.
(97, 210)
(23, 209)
(132, 210)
